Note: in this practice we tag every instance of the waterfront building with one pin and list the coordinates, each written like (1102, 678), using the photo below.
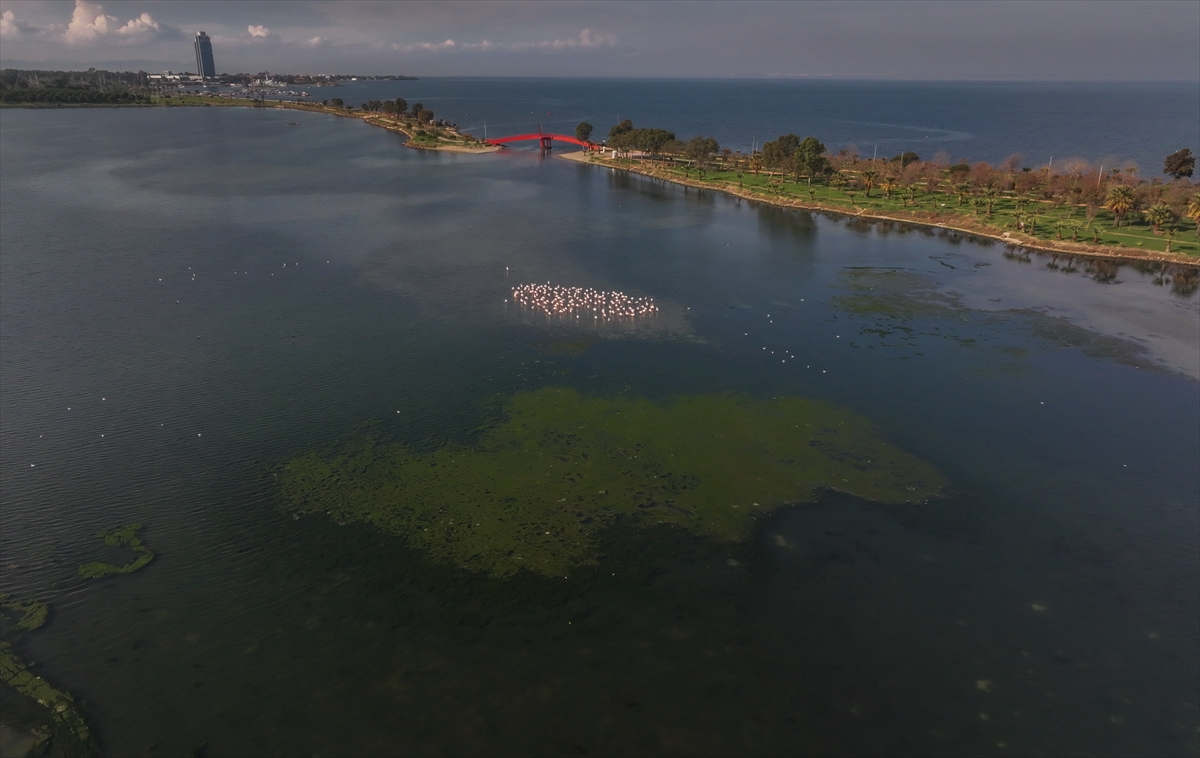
(205, 68)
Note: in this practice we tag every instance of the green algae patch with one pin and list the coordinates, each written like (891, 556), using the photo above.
(67, 728)
(126, 535)
(31, 613)
(896, 294)
(538, 488)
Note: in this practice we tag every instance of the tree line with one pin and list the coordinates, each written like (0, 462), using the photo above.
(71, 95)
(13, 78)
(1073, 182)
(91, 87)
(397, 108)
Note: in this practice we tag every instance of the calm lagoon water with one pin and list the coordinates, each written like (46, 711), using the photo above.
(191, 297)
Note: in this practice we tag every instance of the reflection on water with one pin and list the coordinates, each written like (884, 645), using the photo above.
(159, 362)
(786, 227)
(902, 308)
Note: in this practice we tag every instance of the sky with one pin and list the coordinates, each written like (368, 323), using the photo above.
(867, 39)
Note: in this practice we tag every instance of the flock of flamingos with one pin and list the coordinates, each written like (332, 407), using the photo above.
(555, 300)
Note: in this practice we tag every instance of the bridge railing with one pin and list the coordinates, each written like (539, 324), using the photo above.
(544, 138)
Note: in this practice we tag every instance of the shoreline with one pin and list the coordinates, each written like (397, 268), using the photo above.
(1013, 239)
(448, 147)
(466, 143)
(383, 122)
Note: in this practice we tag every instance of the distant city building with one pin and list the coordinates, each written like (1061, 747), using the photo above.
(205, 67)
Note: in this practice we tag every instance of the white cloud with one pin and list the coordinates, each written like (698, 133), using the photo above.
(143, 25)
(428, 46)
(88, 21)
(258, 31)
(8, 24)
(586, 39)
(316, 42)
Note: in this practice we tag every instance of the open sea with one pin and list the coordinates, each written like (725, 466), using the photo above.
(1117, 124)
(191, 298)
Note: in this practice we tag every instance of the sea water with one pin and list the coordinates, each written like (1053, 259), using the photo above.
(193, 297)
(1116, 124)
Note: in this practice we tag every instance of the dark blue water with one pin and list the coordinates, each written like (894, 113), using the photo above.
(188, 297)
(1109, 123)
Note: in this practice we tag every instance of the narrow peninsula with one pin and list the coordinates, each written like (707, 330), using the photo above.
(1070, 209)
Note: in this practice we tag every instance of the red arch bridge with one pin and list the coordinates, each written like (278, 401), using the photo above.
(545, 139)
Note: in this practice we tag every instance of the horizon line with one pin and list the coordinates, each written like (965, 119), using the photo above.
(28, 66)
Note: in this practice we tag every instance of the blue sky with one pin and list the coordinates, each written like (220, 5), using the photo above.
(917, 39)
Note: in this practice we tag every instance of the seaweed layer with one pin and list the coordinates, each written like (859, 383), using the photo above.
(33, 705)
(69, 730)
(33, 613)
(539, 487)
(125, 535)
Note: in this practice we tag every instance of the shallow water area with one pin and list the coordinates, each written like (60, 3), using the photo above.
(536, 490)
(194, 298)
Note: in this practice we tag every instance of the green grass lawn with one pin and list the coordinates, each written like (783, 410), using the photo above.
(1044, 221)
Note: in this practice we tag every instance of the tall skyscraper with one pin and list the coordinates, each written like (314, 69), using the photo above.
(205, 67)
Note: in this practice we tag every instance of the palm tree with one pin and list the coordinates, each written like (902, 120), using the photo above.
(1031, 217)
(962, 189)
(1120, 200)
(1193, 211)
(868, 178)
(1158, 215)
(989, 197)
(888, 184)
(1170, 236)
(912, 194)
(837, 180)
(1020, 216)
(1025, 222)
